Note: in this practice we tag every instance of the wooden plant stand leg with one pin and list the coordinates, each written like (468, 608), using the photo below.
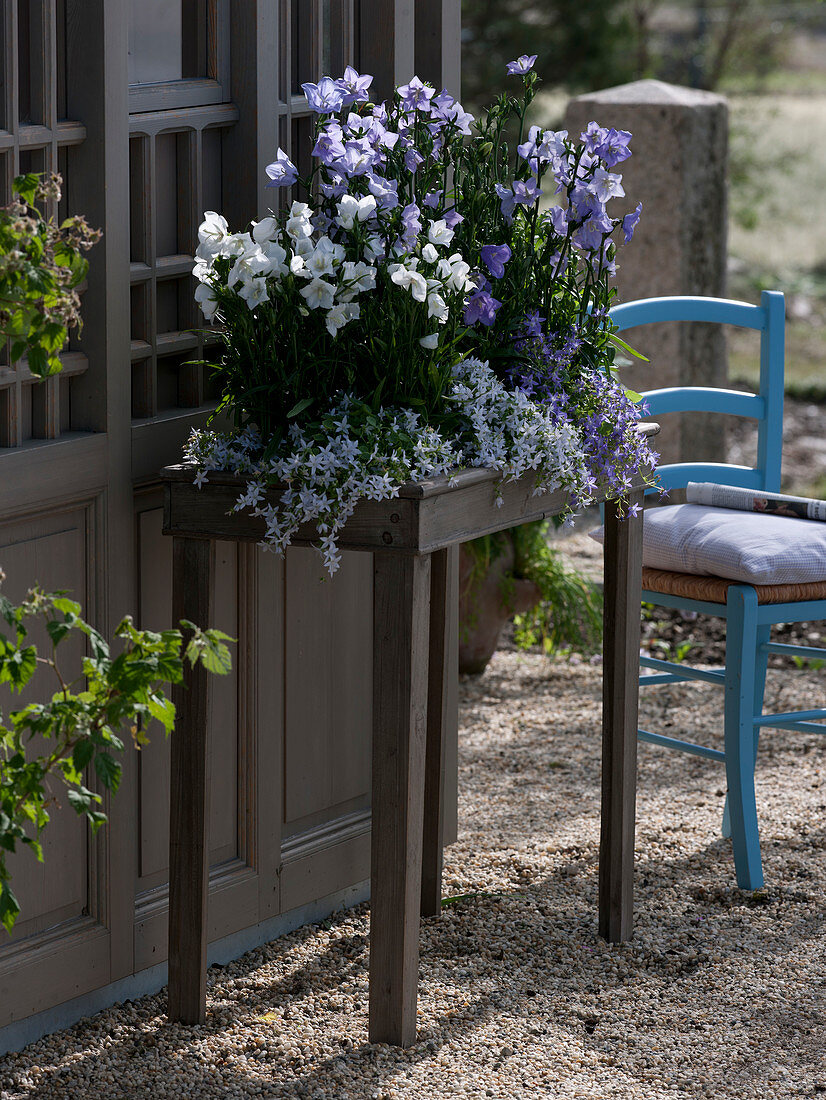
(442, 665)
(192, 587)
(620, 697)
(401, 636)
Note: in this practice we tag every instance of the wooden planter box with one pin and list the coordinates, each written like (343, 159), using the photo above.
(411, 538)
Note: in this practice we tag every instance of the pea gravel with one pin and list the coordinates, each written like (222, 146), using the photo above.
(720, 994)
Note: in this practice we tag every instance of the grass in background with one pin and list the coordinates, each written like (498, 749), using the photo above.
(777, 227)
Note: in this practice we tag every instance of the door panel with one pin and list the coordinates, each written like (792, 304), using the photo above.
(155, 563)
(329, 687)
(61, 943)
(57, 889)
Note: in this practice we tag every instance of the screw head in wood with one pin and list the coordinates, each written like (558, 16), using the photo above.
(386, 538)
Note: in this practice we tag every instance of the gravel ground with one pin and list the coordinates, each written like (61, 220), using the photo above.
(720, 994)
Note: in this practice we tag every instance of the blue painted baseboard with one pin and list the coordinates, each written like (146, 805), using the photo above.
(19, 1034)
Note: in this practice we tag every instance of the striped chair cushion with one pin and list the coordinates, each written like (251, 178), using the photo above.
(739, 546)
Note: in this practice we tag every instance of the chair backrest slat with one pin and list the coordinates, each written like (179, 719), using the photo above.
(705, 399)
(720, 311)
(766, 408)
(678, 474)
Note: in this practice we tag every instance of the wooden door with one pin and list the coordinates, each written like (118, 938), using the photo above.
(154, 111)
(62, 515)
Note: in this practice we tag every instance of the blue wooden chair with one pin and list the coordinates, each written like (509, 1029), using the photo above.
(750, 610)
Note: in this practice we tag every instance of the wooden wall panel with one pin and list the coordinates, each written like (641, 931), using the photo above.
(50, 551)
(155, 564)
(155, 611)
(328, 684)
(387, 42)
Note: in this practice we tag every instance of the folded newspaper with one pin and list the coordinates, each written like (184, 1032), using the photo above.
(754, 500)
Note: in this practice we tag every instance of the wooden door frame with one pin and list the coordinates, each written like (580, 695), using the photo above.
(97, 93)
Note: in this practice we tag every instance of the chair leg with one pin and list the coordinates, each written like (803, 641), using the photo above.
(741, 643)
(761, 663)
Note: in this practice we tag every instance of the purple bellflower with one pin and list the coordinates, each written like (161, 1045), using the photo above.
(522, 65)
(335, 188)
(522, 193)
(442, 102)
(629, 222)
(412, 222)
(412, 159)
(282, 171)
(606, 185)
(460, 118)
(592, 137)
(529, 150)
(615, 147)
(558, 217)
(416, 96)
(481, 307)
(590, 234)
(325, 97)
(359, 157)
(494, 257)
(384, 191)
(329, 146)
(542, 147)
(353, 87)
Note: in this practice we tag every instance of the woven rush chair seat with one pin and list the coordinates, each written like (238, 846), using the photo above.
(715, 589)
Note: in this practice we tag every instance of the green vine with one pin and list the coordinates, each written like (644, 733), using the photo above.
(84, 717)
(41, 269)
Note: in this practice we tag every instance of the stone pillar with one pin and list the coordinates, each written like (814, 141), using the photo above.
(678, 172)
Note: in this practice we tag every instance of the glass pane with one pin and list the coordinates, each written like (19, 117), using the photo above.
(155, 41)
(326, 39)
(303, 23)
(24, 46)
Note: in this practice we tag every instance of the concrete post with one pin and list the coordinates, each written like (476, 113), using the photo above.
(678, 171)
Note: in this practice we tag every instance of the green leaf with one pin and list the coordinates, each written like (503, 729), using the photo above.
(82, 753)
(81, 799)
(18, 350)
(17, 666)
(41, 363)
(64, 604)
(100, 647)
(108, 769)
(163, 710)
(300, 406)
(212, 652)
(54, 336)
(57, 631)
(26, 187)
(7, 610)
(627, 347)
(96, 819)
(375, 401)
(9, 907)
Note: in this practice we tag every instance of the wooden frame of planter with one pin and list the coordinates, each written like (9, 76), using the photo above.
(412, 538)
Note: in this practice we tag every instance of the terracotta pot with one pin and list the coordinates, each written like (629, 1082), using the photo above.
(486, 604)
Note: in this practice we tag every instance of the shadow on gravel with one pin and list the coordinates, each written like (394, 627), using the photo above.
(531, 953)
(727, 988)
